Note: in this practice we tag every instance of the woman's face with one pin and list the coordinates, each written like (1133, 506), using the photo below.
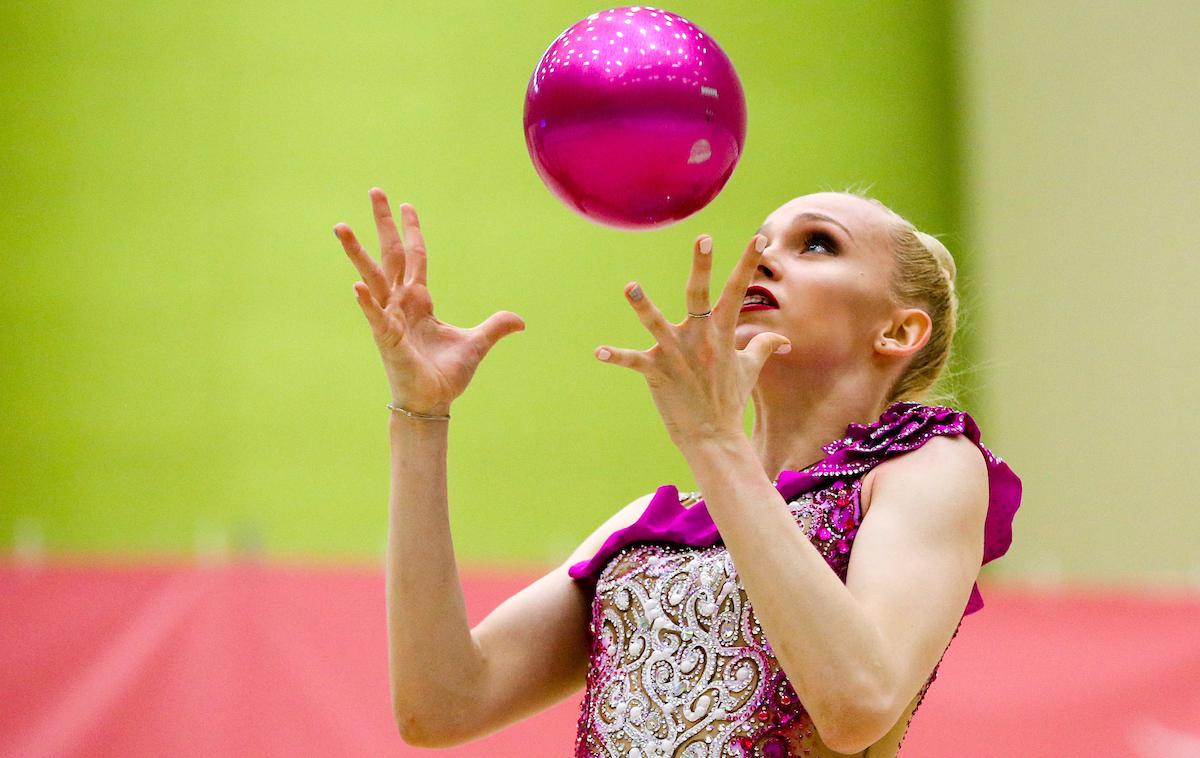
(828, 265)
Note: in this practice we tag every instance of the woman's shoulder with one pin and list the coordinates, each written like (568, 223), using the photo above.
(907, 426)
(940, 457)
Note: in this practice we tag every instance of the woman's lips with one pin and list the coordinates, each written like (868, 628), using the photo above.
(762, 296)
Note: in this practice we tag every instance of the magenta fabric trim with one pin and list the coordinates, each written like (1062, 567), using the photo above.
(903, 426)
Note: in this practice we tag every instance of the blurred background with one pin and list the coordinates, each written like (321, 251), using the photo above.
(194, 461)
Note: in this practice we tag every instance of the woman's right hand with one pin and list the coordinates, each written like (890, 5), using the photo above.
(428, 362)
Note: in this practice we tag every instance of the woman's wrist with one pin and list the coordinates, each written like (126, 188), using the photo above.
(417, 428)
(714, 444)
(418, 409)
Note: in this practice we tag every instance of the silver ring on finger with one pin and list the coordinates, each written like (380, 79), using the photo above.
(706, 314)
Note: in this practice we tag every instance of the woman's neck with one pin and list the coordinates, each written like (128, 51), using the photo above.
(794, 421)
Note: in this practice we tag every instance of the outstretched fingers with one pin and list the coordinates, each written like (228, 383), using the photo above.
(701, 275)
(649, 314)
(414, 244)
(652, 319)
(377, 285)
(725, 314)
(637, 360)
(371, 309)
(391, 246)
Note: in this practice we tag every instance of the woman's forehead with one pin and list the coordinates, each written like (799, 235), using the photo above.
(856, 213)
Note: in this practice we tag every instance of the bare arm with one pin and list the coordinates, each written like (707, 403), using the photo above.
(428, 363)
(449, 683)
(535, 644)
(433, 663)
(452, 684)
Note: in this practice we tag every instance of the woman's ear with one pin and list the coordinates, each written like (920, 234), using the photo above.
(908, 332)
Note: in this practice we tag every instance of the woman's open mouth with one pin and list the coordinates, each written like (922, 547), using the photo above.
(759, 299)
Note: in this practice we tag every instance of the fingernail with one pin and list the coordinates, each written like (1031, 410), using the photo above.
(783, 349)
(760, 243)
(706, 245)
(635, 294)
(603, 354)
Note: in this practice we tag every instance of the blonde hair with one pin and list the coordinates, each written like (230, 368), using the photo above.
(924, 277)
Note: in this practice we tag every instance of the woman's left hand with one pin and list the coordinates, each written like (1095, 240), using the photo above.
(700, 382)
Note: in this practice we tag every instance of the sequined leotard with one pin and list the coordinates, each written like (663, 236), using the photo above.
(680, 667)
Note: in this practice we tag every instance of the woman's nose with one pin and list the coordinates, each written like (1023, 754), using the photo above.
(765, 265)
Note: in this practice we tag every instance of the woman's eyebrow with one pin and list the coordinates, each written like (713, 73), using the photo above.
(816, 217)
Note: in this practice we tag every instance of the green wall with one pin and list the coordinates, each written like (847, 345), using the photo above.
(185, 367)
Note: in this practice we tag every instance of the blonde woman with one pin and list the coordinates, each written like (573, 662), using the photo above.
(803, 604)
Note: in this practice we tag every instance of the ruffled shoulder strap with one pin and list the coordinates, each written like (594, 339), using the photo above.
(907, 425)
(664, 519)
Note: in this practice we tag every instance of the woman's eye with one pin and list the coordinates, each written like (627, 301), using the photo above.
(821, 240)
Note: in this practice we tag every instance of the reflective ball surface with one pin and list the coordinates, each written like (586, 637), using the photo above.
(635, 118)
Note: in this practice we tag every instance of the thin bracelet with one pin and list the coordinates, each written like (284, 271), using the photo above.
(414, 414)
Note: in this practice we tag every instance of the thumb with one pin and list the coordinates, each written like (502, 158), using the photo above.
(499, 324)
(764, 344)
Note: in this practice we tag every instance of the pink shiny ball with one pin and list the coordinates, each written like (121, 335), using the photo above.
(635, 118)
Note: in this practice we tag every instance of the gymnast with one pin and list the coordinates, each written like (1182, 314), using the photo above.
(800, 602)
